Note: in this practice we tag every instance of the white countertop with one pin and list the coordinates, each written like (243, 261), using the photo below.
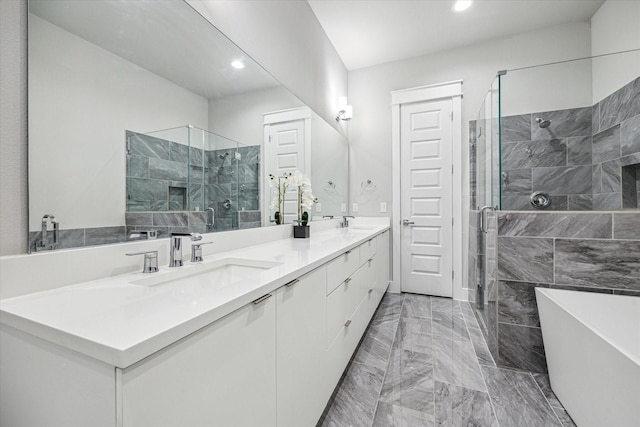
(120, 323)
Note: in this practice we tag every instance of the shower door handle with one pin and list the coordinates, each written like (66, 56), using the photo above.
(483, 217)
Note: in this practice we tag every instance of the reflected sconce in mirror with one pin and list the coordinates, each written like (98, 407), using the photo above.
(345, 112)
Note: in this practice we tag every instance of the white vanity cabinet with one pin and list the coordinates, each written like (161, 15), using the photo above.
(221, 375)
(302, 385)
(272, 362)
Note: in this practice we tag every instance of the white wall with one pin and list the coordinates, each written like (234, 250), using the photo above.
(13, 127)
(82, 98)
(615, 27)
(286, 38)
(240, 117)
(369, 92)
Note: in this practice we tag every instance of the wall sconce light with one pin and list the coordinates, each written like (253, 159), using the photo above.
(345, 112)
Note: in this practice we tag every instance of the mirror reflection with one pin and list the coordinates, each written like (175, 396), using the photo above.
(144, 119)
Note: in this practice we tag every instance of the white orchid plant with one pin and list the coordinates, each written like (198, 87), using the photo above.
(306, 199)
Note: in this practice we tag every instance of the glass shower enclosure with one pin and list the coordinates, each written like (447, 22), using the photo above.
(190, 179)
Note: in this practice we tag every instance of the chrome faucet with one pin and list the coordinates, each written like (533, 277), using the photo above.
(45, 244)
(175, 253)
(345, 221)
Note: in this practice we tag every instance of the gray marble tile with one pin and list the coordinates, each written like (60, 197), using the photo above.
(397, 416)
(516, 128)
(630, 160)
(389, 310)
(580, 202)
(579, 150)
(630, 136)
(179, 153)
(595, 118)
(613, 264)
(488, 321)
(416, 306)
(564, 417)
(165, 169)
(564, 123)
(480, 347)
(455, 362)
(104, 235)
(562, 180)
(171, 219)
(517, 400)
(137, 166)
(585, 225)
(581, 288)
(521, 347)
(522, 258)
(158, 205)
(596, 179)
(518, 181)
(511, 202)
(626, 292)
(148, 146)
(459, 406)
(537, 153)
(606, 145)
(626, 226)
(374, 349)
(629, 187)
(196, 218)
(607, 201)
(517, 303)
(450, 325)
(409, 381)
(139, 218)
(355, 401)
(414, 335)
(148, 189)
(611, 176)
(620, 105)
(545, 387)
(196, 157)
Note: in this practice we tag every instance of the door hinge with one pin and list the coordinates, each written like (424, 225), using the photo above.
(451, 221)
(452, 116)
(453, 274)
(451, 169)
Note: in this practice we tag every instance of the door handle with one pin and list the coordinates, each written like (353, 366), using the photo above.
(407, 222)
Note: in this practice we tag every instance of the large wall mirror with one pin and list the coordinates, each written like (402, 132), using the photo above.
(144, 119)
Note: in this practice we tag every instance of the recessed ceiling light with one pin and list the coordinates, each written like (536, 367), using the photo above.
(461, 5)
(237, 64)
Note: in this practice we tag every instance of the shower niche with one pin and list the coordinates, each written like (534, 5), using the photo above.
(187, 178)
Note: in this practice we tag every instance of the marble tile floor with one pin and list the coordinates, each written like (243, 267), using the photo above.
(423, 362)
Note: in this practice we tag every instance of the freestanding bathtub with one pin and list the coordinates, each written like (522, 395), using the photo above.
(592, 343)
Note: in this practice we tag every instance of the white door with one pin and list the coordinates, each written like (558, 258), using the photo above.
(426, 199)
(286, 151)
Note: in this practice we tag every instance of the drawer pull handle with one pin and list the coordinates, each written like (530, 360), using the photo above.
(347, 253)
(370, 259)
(261, 299)
(291, 283)
(347, 323)
(369, 241)
(347, 280)
(370, 290)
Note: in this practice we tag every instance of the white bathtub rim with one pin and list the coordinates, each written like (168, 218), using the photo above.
(629, 351)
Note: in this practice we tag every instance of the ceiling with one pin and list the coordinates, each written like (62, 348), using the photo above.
(371, 32)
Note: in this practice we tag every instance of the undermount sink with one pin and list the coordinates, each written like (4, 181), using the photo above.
(223, 271)
(362, 227)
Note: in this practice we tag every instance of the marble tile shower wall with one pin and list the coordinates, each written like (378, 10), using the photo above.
(592, 252)
(584, 159)
(167, 176)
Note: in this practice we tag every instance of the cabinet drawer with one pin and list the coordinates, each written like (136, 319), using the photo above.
(367, 250)
(341, 268)
(343, 301)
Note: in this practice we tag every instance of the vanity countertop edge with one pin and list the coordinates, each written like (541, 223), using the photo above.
(121, 330)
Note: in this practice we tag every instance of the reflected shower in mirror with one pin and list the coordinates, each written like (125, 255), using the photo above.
(104, 78)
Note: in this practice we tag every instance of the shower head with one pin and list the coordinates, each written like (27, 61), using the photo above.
(543, 123)
(224, 156)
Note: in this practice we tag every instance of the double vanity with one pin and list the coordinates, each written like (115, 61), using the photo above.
(256, 336)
